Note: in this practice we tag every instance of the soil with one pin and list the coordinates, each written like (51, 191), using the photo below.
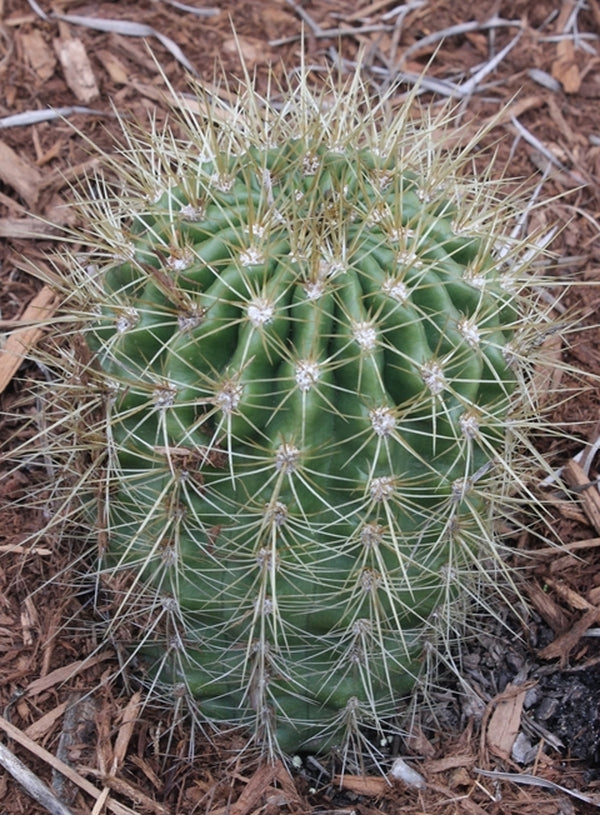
(544, 682)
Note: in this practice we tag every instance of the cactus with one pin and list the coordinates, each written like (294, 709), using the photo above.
(302, 345)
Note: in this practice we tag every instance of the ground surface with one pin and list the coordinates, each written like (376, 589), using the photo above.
(548, 689)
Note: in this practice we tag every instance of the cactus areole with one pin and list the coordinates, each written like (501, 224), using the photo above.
(306, 327)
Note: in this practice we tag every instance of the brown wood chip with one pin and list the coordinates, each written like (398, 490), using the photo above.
(20, 174)
(590, 497)
(23, 339)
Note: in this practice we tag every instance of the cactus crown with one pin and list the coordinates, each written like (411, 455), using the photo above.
(309, 339)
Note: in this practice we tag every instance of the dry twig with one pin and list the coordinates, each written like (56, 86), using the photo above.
(32, 785)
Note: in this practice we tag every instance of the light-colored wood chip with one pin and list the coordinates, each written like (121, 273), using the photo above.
(45, 723)
(505, 720)
(25, 228)
(23, 339)
(113, 66)
(129, 719)
(64, 673)
(38, 54)
(565, 68)
(29, 621)
(20, 174)
(77, 68)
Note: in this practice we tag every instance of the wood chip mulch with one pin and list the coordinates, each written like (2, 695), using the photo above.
(72, 740)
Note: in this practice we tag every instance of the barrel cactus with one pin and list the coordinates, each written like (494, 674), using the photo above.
(299, 376)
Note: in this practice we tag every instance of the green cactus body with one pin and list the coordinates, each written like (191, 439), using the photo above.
(308, 349)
